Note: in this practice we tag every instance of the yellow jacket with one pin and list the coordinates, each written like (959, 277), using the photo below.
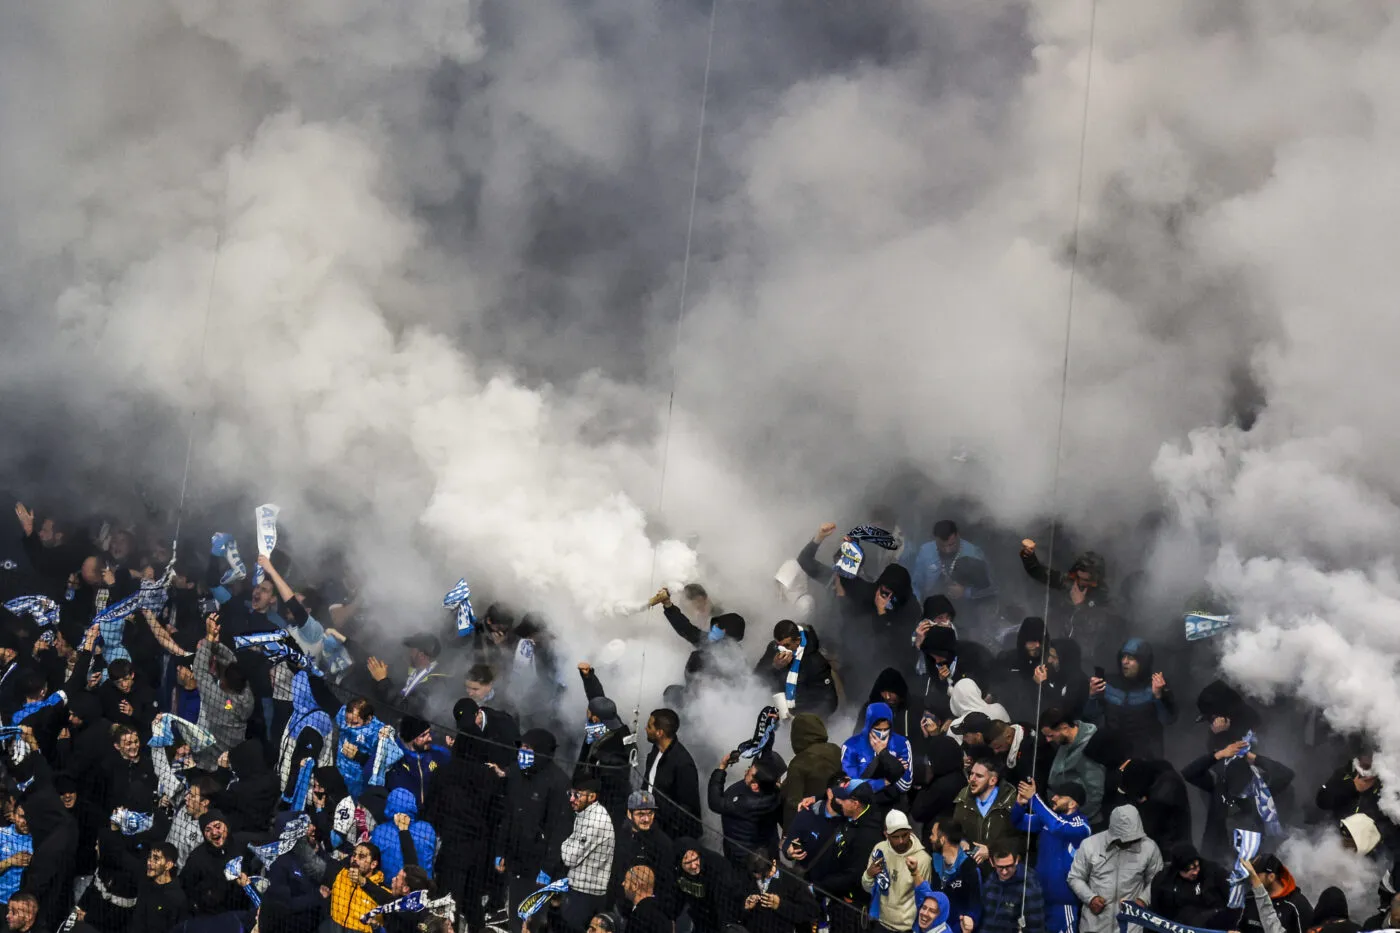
(350, 902)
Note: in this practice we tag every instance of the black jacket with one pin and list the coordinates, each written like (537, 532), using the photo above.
(130, 784)
(1159, 793)
(463, 804)
(608, 760)
(537, 815)
(1226, 812)
(748, 817)
(158, 907)
(653, 849)
(838, 870)
(249, 801)
(714, 896)
(816, 686)
(203, 877)
(1193, 903)
(677, 788)
(796, 910)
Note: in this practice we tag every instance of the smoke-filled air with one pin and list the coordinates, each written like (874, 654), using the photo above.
(430, 277)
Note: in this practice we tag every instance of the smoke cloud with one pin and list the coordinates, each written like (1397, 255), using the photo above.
(448, 243)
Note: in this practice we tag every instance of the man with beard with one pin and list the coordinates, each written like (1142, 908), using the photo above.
(588, 855)
(1135, 704)
(641, 842)
(203, 878)
(160, 902)
(897, 866)
(840, 868)
(1072, 764)
(776, 902)
(604, 755)
(671, 775)
(421, 758)
(1060, 829)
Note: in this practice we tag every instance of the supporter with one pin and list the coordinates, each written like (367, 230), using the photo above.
(940, 566)
(604, 752)
(1273, 890)
(1014, 745)
(814, 762)
(880, 756)
(226, 703)
(839, 871)
(536, 819)
(1072, 764)
(711, 892)
(421, 758)
(1115, 865)
(646, 914)
(160, 901)
(587, 854)
(423, 687)
(749, 809)
(670, 774)
(721, 635)
(897, 866)
(1135, 703)
(1012, 901)
(1081, 611)
(774, 901)
(403, 839)
(1060, 830)
(1190, 889)
(360, 733)
(812, 827)
(1242, 789)
(983, 809)
(798, 604)
(1331, 913)
(1014, 680)
(356, 888)
(1159, 793)
(1062, 678)
(793, 665)
(938, 763)
(933, 913)
(1353, 788)
(641, 842)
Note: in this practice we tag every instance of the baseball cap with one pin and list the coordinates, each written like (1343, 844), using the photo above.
(974, 722)
(428, 644)
(641, 800)
(895, 820)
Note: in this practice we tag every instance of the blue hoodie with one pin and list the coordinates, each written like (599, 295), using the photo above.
(857, 755)
(386, 835)
(946, 922)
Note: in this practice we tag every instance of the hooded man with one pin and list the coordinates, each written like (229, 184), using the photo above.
(403, 839)
(1242, 788)
(723, 634)
(880, 756)
(815, 760)
(709, 889)
(892, 689)
(1159, 793)
(1190, 890)
(307, 736)
(1060, 831)
(896, 867)
(537, 817)
(1062, 680)
(1115, 865)
(1082, 611)
(606, 752)
(202, 878)
(938, 763)
(776, 901)
(932, 912)
(251, 790)
(1134, 703)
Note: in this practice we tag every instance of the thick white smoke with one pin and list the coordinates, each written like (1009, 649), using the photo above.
(443, 315)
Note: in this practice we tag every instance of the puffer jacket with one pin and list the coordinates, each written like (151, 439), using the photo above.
(1117, 864)
(1128, 709)
(815, 761)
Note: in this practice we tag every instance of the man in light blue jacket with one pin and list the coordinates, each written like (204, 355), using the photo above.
(935, 567)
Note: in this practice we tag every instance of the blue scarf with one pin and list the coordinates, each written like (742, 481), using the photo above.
(292, 833)
(132, 823)
(374, 757)
(594, 731)
(223, 545)
(41, 608)
(303, 786)
(163, 733)
(532, 904)
(265, 517)
(29, 709)
(795, 668)
(875, 535)
(416, 902)
(763, 731)
(882, 885)
(1259, 792)
(232, 869)
(460, 598)
(1246, 847)
(1128, 912)
(111, 623)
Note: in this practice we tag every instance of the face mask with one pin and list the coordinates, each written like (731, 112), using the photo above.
(716, 633)
(594, 731)
(526, 757)
(881, 734)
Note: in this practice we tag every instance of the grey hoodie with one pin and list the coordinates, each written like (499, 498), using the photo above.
(1072, 764)
(1117, 864)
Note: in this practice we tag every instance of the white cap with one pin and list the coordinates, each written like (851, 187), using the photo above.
(895, 820)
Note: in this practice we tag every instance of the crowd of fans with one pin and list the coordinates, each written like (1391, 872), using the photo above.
(221, 750)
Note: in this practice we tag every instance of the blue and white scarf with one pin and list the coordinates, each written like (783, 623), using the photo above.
(1128, 912)
(882, 884)
(380, 755)
(335, 660)
(303, 785)
(41, 609)
(795, 668)
(1246, 847)
(29, 709)
(111, 624)
(875, 535)
(593, 731)
(286, 841)
(1259, 792)
(265, 517)
(533, 902)
(763, 732)
(163, 733)
(232, 869)
(223, 545)
(132, 823)
(416, 902)
(460, 598)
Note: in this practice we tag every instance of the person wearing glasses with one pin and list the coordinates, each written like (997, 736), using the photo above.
(1008, 893)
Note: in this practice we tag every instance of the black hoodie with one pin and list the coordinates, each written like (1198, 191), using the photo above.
(713, 896)
(538, 819)
(906, 709)
(248, 801)
(1013, 682)
(1194, 903)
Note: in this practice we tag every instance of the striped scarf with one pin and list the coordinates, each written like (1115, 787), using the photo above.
(795, 668)
(291, 834)
(416, 902)
(532, 903)
(163, 733)
(132, 823)
(460, 598)
(882, 884)
(265, 517)
(875, 535)
(41, 609)
(763, 732)
(1246, 847)
(233, 868)
(223, 545)
(111, 624)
